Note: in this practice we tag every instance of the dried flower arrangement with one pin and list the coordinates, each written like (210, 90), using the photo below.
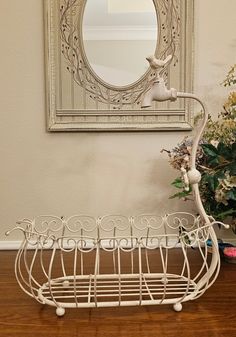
(216, 160)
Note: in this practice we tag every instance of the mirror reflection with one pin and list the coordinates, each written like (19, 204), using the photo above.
(117, 37)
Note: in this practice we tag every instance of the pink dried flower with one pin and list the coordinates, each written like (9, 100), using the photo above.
(230, 252)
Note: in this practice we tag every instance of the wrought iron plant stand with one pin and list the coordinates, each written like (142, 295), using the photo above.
(138, 249)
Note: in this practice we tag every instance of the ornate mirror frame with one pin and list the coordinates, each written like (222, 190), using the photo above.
(78, 100)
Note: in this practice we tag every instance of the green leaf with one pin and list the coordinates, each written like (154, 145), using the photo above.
(178, 183)
(223, 215)
(212, 181)
(221, 148)
(220, 174)
(231, 168)
(232, 194)
(181, 195)
(224, 151)
(234, 150)
(213, 161)
(210, 150)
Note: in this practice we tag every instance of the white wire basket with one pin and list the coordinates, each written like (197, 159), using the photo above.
(115, 260)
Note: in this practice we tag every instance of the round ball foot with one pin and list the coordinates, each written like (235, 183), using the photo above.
(177, 307)
(164, 280)
(60, 311)
(66, 284)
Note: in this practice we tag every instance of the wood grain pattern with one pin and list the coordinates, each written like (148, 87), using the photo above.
(213, 315)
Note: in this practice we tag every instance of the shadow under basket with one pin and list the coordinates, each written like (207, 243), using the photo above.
(87, 262)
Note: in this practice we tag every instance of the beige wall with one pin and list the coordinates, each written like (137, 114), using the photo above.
(96, 173)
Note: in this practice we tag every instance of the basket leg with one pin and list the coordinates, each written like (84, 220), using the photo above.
(177, 307)
(60, 311)
(66, 284)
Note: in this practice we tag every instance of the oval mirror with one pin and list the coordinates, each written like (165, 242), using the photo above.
(117, 36)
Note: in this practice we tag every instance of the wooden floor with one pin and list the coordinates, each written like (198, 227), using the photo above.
(213, 315)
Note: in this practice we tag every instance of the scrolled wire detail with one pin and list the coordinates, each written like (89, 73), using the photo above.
(45, 224)
(148, 221)
(78, 223)
(182, 219)
(69, 244)
(114, 222)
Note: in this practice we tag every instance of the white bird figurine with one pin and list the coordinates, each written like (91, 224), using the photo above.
(156, 63)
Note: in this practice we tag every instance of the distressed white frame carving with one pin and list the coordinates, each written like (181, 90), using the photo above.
(78, 100)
